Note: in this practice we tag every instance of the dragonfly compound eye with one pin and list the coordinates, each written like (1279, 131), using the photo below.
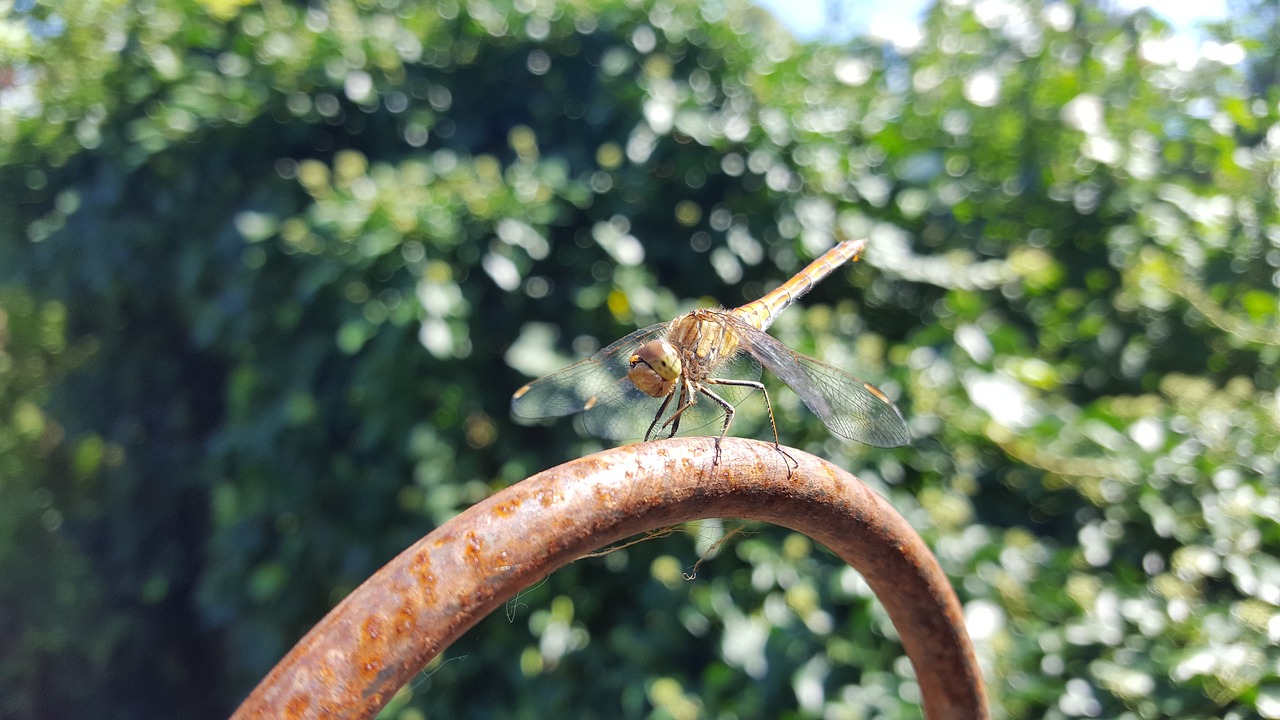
(654, 368)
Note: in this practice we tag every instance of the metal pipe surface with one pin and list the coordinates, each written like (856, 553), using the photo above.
(389, 628)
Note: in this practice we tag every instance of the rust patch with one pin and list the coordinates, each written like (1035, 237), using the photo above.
(406, 618)
(546, 498)
(473, 547)
(297, 706)
(420, 564)
(420, 569)
(506, 509)
(371, 647)
(604, 494)
(371, 668)
(372, 628)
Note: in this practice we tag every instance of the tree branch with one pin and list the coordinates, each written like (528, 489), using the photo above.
(390, 627)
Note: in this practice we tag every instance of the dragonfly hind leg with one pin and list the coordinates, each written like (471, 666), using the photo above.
(729, 410)
(724, 405)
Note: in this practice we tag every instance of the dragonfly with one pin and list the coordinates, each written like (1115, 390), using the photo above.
(693, 370)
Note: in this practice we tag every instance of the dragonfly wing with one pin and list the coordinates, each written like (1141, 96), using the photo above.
(851, 407)
(612, 406)
(590, 383)
(621, 412)
(740, 367)
(856, 409)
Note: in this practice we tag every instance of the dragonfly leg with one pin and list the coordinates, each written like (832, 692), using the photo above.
(661, 409)
(725, 405)
(687, 398)
(767, 403)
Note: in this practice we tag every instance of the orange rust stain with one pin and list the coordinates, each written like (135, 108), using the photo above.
(297, 706)
(420, 568)
(370, 668)
(420, 563)
(604, 495)
(507, 509)
(370, 649)
(472, 548)
(327, 674)
(373, 703)
(372, 627)
(406, 619)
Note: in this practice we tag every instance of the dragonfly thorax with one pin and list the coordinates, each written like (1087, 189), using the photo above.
(655, 366)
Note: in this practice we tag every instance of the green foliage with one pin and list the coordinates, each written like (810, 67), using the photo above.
(52, 598)
(274, 271)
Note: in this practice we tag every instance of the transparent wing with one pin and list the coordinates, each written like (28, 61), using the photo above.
(851, 407)
(599, 379)
(613, 406)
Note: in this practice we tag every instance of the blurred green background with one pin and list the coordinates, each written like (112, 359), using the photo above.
(270, 272)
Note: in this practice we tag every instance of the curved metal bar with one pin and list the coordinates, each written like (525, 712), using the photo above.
(390, 627)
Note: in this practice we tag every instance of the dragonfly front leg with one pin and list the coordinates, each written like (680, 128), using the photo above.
(661, 409)
(687, 398)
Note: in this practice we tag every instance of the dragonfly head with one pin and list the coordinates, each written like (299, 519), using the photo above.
(655, 366)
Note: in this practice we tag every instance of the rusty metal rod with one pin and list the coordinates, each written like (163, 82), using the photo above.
(389, 628)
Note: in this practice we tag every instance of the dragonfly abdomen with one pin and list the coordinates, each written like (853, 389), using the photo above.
(761, 313)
